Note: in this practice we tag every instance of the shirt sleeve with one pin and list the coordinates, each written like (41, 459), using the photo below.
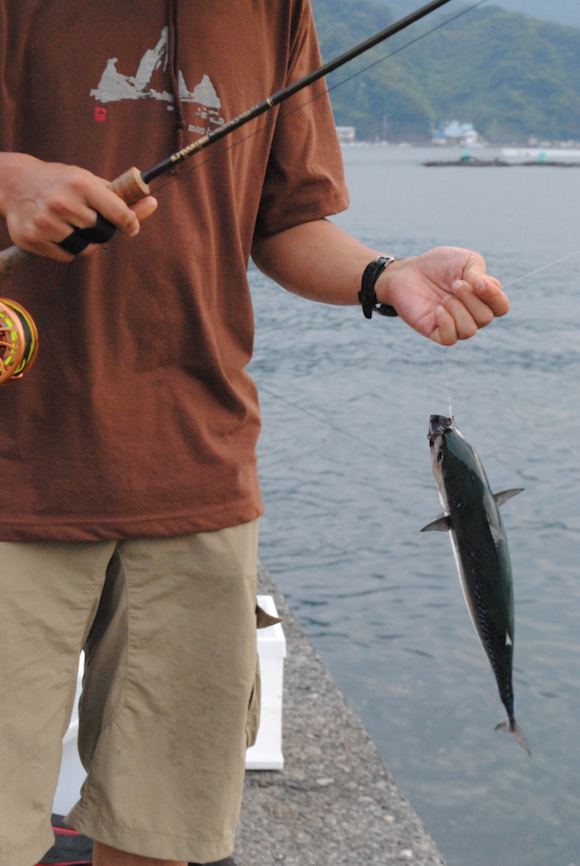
(305, 177)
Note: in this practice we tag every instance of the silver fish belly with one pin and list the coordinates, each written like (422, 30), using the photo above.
(471, 516)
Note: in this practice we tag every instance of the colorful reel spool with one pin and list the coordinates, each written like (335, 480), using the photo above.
(18, 341)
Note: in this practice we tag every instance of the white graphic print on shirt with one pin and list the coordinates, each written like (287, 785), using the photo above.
(114, 86)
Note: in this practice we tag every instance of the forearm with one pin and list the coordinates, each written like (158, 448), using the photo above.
(316, 260)
(444, 294)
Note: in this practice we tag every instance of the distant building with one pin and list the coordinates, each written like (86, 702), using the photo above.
(346, 134)
(455, 132)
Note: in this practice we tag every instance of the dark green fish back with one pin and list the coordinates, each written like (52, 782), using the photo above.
(482, 549)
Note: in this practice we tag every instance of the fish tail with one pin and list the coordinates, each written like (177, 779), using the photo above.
(510, 726)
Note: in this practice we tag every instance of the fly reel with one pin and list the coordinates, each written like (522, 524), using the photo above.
(18, 341)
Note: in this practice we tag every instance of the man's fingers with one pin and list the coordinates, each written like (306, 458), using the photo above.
(109, 205)
(489, 290)
(78, 195)
(44, 202)
(144, 208)
(141, 209)
(481, 313)
(462, 315)
(465, 324)
(127, 219)
(445, 294)
(42, 237)
(454, 322)
(445, 332)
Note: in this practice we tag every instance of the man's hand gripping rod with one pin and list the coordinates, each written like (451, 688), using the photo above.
(18, 335)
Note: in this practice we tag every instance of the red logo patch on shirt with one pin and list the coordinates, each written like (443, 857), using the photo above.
(101, 114)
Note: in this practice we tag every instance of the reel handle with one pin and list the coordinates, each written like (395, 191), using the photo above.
(129, 186)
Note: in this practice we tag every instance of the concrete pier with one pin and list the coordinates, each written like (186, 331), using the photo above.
(335, 803)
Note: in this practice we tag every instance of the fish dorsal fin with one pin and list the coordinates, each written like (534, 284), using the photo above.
(506, 495)
(440, 524)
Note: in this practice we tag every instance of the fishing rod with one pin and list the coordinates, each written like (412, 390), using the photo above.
(18, 333)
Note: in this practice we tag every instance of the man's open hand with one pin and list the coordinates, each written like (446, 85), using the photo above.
(444, 294)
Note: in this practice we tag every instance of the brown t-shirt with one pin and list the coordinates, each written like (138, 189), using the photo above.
(138, 418)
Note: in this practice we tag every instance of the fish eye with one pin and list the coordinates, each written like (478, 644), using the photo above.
(440, 457)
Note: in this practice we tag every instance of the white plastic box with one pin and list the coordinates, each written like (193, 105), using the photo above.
(72, 773)
(266, 754)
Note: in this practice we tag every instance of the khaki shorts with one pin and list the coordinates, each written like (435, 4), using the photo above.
(170, 699)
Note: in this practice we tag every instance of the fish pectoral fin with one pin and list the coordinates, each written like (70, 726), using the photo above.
(506, 495)
(440, 524)
(497, 535)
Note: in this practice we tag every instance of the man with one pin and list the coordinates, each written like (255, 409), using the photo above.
(128, 454)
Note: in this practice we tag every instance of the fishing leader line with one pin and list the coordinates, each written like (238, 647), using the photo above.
(543, 268)
(284, 114)
(446, 380)
(504, 286)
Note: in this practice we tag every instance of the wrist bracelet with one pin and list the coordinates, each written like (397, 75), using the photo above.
(367, 297)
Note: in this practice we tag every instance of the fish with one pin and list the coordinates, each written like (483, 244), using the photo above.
(472, 519)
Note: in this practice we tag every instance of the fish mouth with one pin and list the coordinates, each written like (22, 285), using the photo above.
(439, 424)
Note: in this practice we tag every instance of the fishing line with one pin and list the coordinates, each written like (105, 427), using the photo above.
(284, 114)
(504, 286)
(372, 447)
(446, 381)
(543, 268)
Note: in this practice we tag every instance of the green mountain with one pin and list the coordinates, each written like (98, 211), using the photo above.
(511, 75)
(559, 11)
(384, 101)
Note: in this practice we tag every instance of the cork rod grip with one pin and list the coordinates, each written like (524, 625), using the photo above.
(129, 186)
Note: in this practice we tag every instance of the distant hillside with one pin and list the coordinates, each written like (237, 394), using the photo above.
(511, 75)
(385, 101)
(565, 12)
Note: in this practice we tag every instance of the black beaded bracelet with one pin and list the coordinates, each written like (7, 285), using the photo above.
(367, 297)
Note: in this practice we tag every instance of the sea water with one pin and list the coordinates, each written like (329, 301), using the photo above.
(347, 484)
